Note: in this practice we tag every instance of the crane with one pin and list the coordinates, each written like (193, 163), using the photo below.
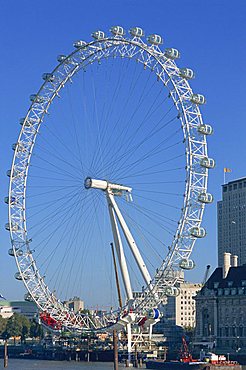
(206, 275)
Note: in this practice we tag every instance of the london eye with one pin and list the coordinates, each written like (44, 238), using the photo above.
(112, 148)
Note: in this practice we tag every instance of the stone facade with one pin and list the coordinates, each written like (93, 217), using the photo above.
(221, 310)
(185, 305)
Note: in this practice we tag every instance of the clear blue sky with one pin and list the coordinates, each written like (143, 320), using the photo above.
(211, 37)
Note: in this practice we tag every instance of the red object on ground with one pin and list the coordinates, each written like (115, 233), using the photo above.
(185, 355)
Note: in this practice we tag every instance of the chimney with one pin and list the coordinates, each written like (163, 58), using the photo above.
(234, 261)
(227, 264)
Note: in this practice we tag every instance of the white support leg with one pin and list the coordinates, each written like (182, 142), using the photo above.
(129, 341)
(120, 252)
(131, 242)
(150, 333)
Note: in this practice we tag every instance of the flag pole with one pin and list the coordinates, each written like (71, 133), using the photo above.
(226, 170)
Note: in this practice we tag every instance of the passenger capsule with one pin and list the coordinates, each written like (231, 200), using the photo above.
(61, 58)
(136, 329)
(15, 173)
(35, 98)
(18, 276)
(14, 227)
(207, 162)
(155, 39)
(136, 32)
(28, 297)
(154, 313)
(28, 121)
(172, 53)
(11, 252)
(198, 99)
(171, 291)
(117, 30)
(19, 146)
(186, 73)
(187, 264)
(205, 198)
(79, 44)
(49, 77)
(18, 252)
(197, 232)
(10, 200)
(98, 35)
(205, 129)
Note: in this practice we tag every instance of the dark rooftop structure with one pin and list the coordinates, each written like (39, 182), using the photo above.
(235, 278)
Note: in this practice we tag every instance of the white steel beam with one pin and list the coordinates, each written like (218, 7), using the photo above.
(120, 251)
(131, 242)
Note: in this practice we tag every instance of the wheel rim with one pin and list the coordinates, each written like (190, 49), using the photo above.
(151, 57)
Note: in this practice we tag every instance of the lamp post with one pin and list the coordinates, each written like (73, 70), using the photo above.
(210, 335)
(237, 344)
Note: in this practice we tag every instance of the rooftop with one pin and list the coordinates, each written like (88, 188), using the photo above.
(235, 181)
(16, 303)
(236, 275)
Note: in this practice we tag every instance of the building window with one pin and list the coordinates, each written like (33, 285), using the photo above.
(220, 291)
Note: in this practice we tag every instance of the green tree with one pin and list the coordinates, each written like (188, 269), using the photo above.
(17, 326)
(3, 323)
(25, 331)
(36, 330)
(13, 326)
(189, 332)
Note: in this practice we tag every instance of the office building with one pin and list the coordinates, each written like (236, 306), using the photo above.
(178, 314)
(75, 304)
(231, 216)
(28, 309)
(181, 310)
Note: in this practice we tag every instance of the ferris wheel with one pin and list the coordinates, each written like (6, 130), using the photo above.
(113, 147)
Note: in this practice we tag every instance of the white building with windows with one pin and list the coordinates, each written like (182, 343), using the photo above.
(75, 304)
(8, 308)
(178, 314)
(185, 305)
